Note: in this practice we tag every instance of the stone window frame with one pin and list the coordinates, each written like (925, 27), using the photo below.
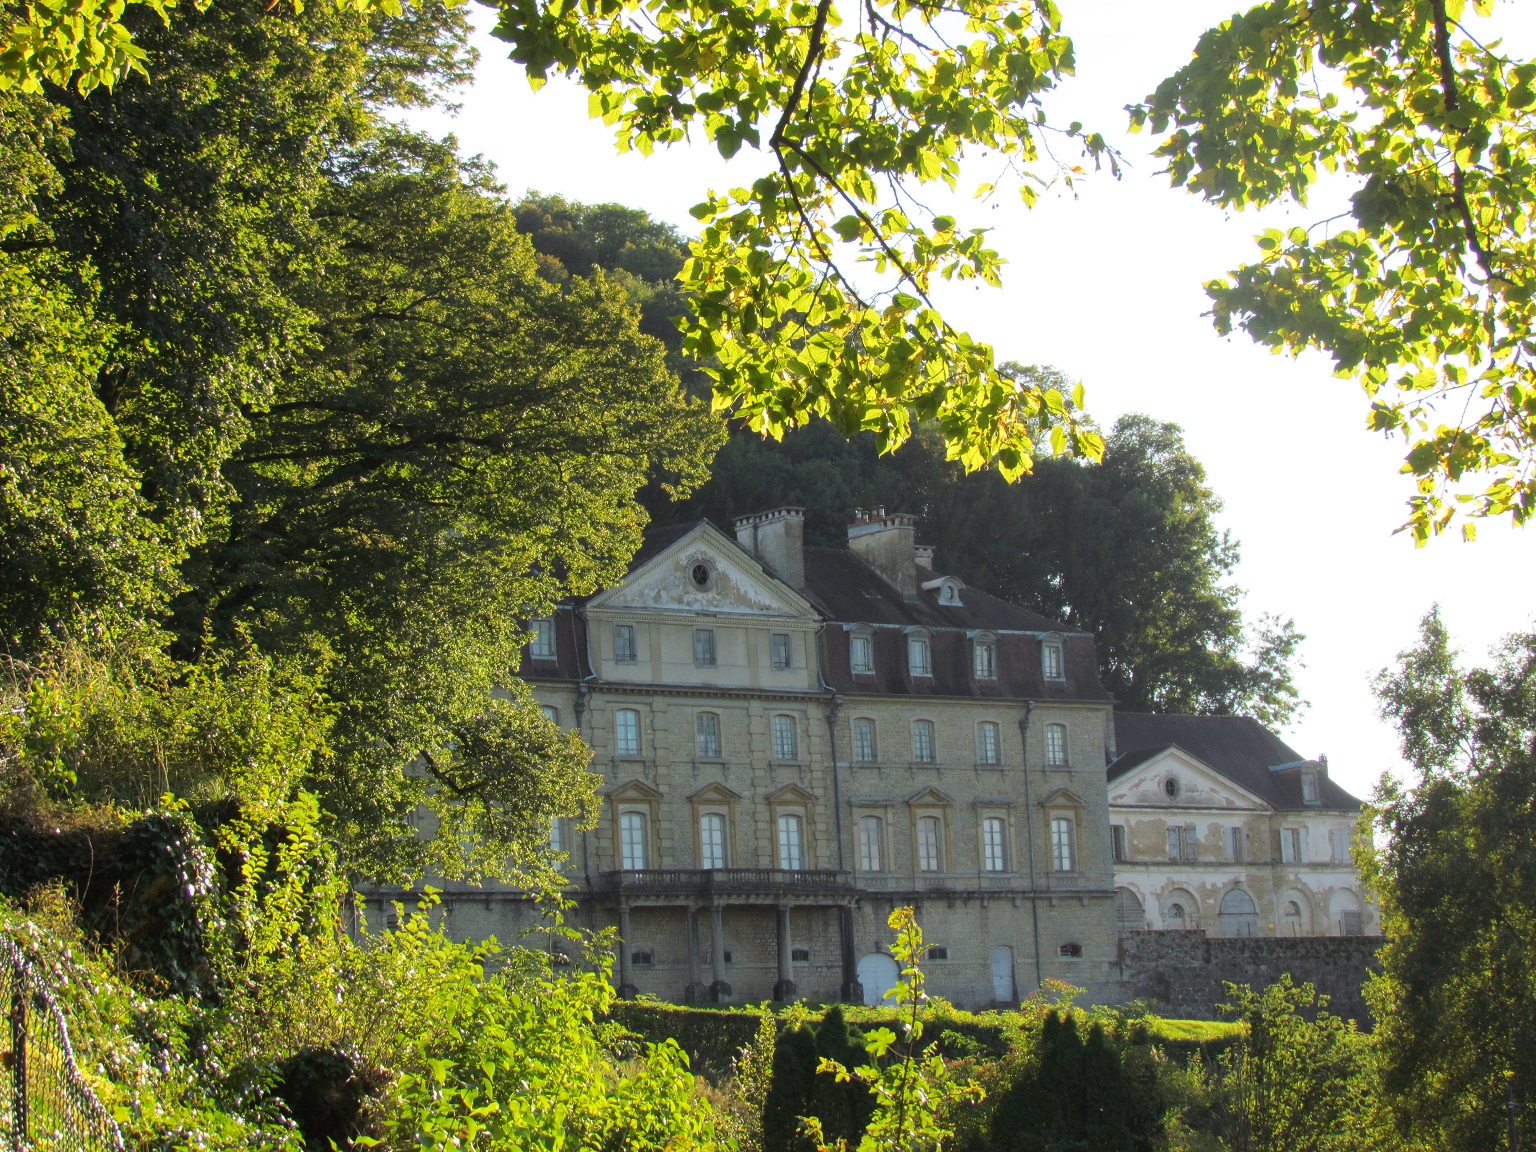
(796, 740)
(1053, 641)
(715, 800)
(981, 641)
(919, 639)
(880, 814)
(699, 751)
(930, 802)
(1187, 900)
(874, 739)
(793, 800)
(1064, 804)
(996, 760)
(788, 646)
(706, 650)
(1065, 762)
(637, 797)
(633, 655)
(619, 751)
(933, 741)
(1005, 857)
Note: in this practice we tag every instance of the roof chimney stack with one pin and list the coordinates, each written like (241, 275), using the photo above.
(886, 543)
(776, 538)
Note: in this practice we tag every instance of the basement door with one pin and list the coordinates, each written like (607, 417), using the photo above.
(878, 973)
(1003, 991)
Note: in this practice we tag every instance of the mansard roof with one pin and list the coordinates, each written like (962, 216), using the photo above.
(1238, 747)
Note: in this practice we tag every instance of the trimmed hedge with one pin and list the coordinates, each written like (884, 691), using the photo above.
(712, 1037)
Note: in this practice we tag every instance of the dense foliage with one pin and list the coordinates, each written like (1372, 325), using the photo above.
(1127, 549)
(1456, 874)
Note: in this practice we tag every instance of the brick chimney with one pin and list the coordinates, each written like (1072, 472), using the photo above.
(885, 541)
(777, 538)
(923, 554)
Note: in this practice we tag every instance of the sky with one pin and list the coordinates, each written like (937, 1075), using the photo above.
(1104, 282)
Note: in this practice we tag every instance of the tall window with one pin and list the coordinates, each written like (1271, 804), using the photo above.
(712, 840)
(1117, 842)
(780, 641)
(632, 841)
(993, 856)
(865, 750)
(871, 844)
(922, 741)
(1309, 787)
(1290, 846)
(1056, 745)
(557, 834)
(1183, 844)
(624, 643)
(1238, 855)
(791, 842)
(785, 738)
(919, 656)
(1051, 662)
(861, 653)
(984, 659)
(704, 647)
(550, 713)
(986, 743)
(626, 731)
(928, 837)
(707, 727)
(1062, 855)
(542, 645)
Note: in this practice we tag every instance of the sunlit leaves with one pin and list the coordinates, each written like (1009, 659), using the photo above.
(1427, 300)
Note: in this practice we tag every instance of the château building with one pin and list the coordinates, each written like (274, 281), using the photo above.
(794, 741)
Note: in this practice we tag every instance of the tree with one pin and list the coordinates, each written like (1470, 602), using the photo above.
(1427, 298)
(1456, 876)
(1127, 549)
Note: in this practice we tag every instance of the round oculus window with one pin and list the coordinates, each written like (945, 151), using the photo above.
(1171, 788)
(701, 575)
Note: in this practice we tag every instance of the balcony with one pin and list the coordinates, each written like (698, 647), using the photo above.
(751, 885)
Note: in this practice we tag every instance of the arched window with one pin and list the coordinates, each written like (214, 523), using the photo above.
(791, 842)
(922, 741)
(786, 744)
(707, 729)
(633, 849)
(626, 732)
(871, 844)
(865, 748)
(919, 654)
(1130, 916)
(1238, 916)
(987, 750)
(1056, 745)
(1063, 856)
(994, 855)
(1174, 917)
(929, 841)
(1292, 918)
(712, 840)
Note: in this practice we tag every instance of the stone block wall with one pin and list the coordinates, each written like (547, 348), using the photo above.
(1183, 972)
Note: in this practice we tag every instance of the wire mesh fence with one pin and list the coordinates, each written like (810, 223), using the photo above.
(45, 1104)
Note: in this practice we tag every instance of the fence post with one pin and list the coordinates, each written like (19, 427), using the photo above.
(19, 1054)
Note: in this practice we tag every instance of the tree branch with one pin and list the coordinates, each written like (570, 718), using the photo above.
(1452, 104)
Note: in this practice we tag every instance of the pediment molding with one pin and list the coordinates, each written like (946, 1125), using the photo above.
(1063, 798)
(929, 797)
(790, 794)
(635, 789)
(1147, 776)
(714, 794)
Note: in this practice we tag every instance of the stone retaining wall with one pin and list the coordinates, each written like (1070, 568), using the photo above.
(1183, 972)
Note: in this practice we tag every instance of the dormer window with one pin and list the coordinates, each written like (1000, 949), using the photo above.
(984, 658)
(861, 654)
(1309, 790)
(542, 644)
(919, 654)
(1053, 664)
(949, 594)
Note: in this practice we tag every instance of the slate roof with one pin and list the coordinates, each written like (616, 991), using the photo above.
(1240, 748)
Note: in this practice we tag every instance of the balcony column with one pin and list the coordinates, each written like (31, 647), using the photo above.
(719, 990)
(785, 988)
(852, 990)
(627, 989)
(697, 993)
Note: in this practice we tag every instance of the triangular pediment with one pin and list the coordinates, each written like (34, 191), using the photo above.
(715, 794)
(737, 583)
(1063, 798)
(792, 794)
(1196, 785)
(929, 798)
(634, 790)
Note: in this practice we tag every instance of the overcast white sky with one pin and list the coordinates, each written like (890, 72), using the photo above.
(1106, 286)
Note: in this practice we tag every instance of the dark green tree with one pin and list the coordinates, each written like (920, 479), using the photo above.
(1127, 549)
(1456, 876)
